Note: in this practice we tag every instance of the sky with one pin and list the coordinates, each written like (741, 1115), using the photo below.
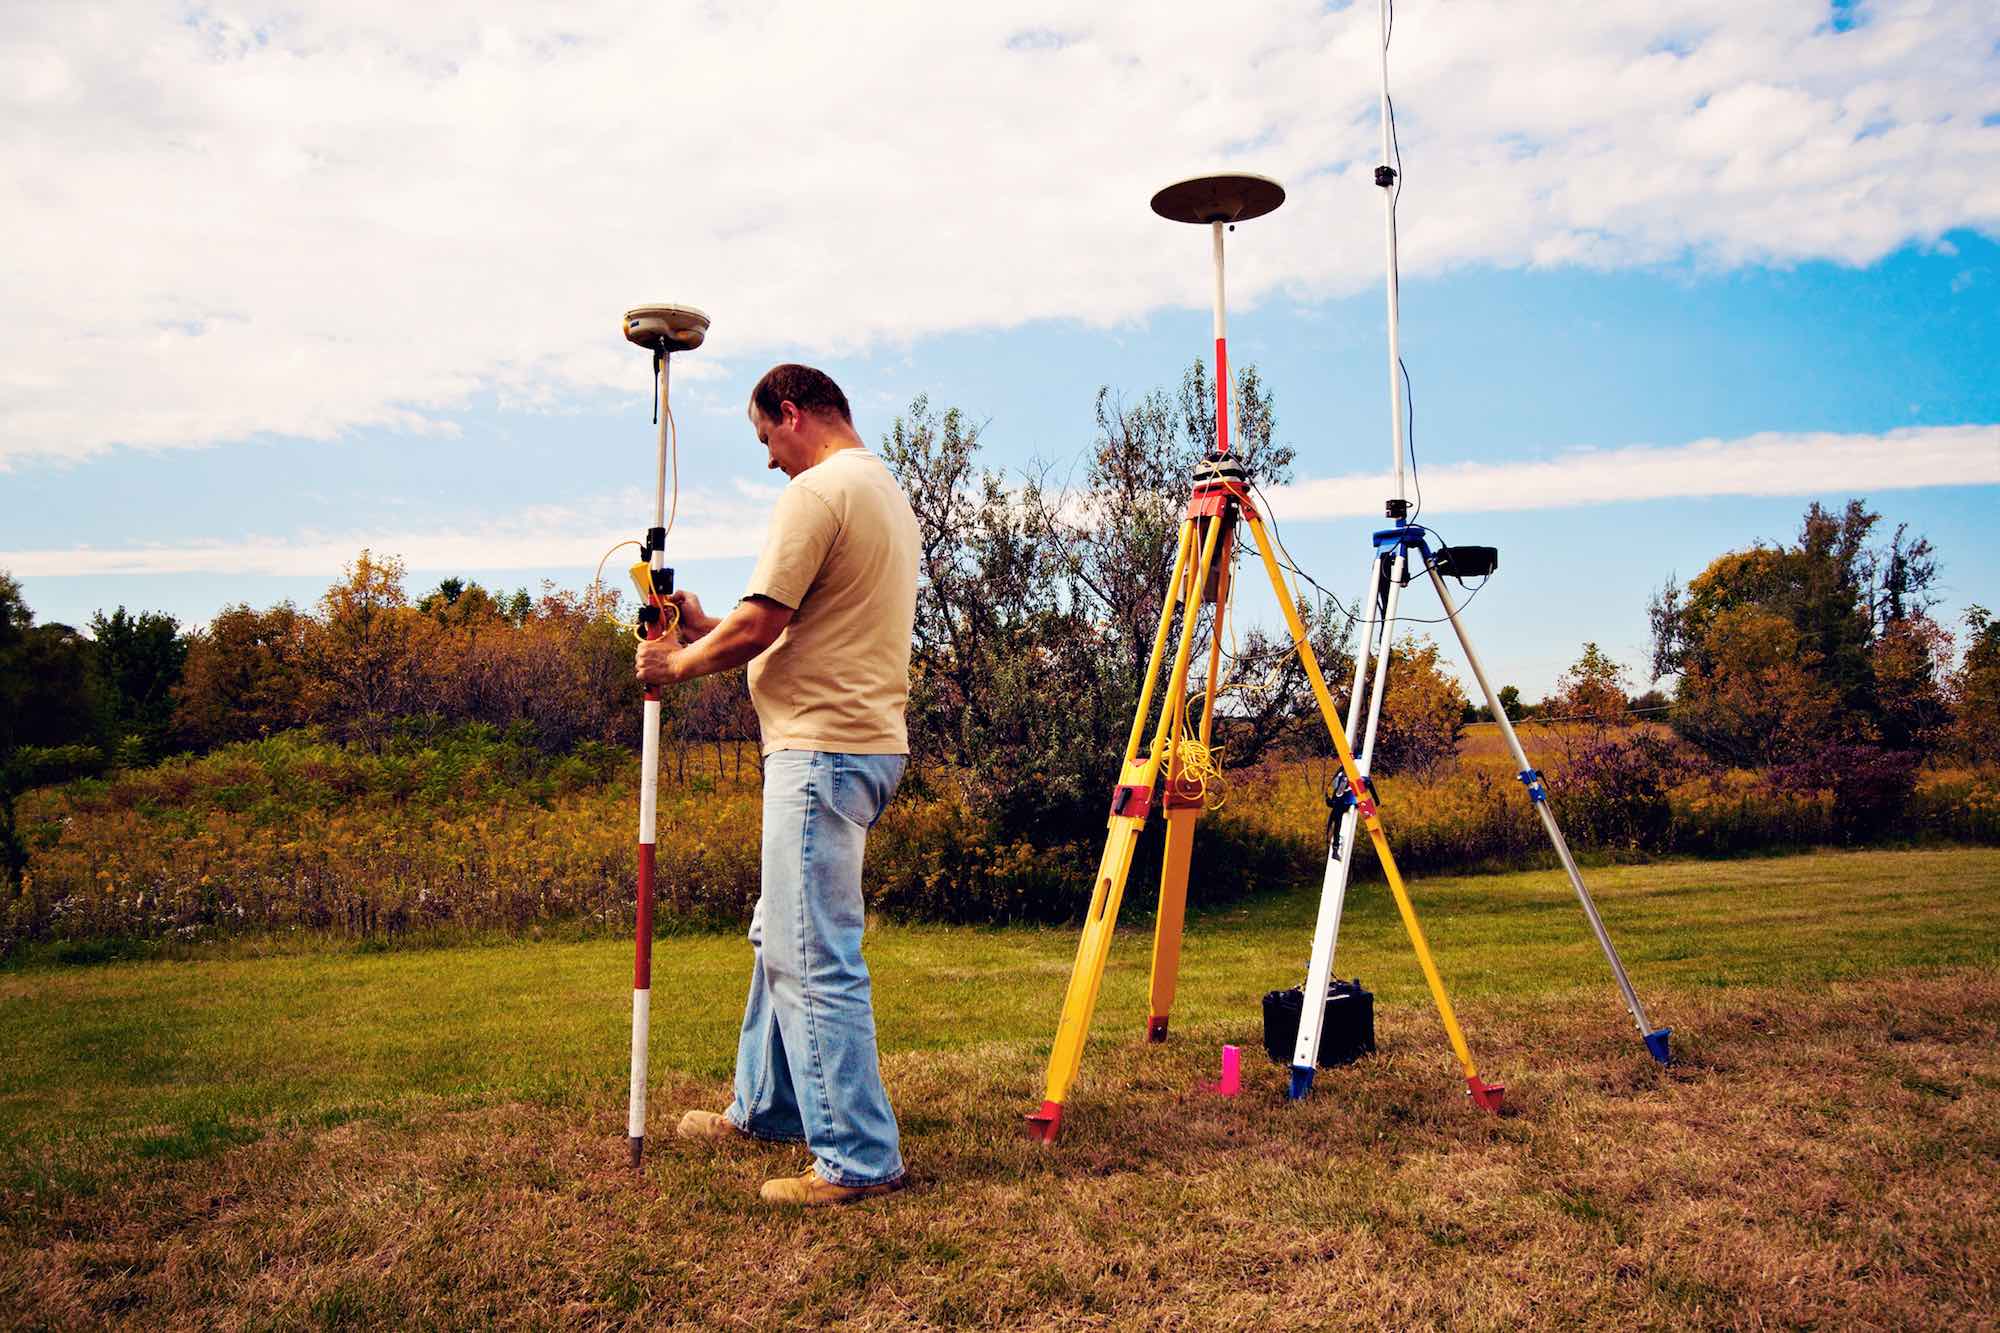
(290, 281)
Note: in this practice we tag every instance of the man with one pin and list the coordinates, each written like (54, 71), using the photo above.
(825, 626)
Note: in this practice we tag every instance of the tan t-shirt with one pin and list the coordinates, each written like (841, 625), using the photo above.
(842, 553)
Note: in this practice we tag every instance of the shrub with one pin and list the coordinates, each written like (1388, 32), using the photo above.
(1616, 791)
(469, 829)
(933, 859)
(1868, 786)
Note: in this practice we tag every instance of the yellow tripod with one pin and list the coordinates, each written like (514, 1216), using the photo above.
(1219, 503)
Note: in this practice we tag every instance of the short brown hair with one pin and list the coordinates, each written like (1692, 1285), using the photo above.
(803, 387)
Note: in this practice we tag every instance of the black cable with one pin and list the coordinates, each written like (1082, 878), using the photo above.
(1291, 565)
(1410, 436)
(1353, 617)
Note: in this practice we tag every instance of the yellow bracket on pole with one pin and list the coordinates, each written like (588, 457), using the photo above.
(670, 614)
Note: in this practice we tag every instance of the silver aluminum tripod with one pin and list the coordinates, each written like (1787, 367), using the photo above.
(1396, 550)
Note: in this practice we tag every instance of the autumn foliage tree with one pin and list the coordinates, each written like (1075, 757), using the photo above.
(558, 670)
(1591, 690)
(1423, 712)
(1784, 650)
(555, 670)
(1615, 781)
(366, 651)
(1816, 661)
(245, 677)
(1976, 733)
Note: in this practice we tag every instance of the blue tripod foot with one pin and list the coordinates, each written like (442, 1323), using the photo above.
(1302, 1081)
(1656, 1043)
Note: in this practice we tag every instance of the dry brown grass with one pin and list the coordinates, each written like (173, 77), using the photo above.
(1821, 1158)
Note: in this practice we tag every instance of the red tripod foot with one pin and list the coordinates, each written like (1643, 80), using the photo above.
(1485, 1095)
(1045, 1124)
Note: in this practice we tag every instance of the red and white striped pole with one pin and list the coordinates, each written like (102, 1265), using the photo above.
(652, 627)
(666, 330)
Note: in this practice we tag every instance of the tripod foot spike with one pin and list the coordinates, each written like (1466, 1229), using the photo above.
(1486, 1096)
(1302, 1082)
(1156, 1027)
(638, 1145)
(1045, 1124)
(1656, 1045)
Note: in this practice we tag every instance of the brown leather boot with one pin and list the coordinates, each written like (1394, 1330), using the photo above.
(810, 1190)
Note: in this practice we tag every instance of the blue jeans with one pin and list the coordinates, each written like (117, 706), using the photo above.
(806, 1067)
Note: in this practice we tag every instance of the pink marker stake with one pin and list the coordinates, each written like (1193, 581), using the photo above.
(1232, 1073)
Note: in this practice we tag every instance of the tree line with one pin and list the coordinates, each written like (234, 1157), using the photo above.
(1815, 661)
(365, 662)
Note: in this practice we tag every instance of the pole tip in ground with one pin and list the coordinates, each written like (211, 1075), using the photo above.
(1156, 1027)
(1657, 1045)
(1302, 1082)
(638, 1146)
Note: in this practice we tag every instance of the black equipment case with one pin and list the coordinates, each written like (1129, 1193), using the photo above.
(1347, 1034)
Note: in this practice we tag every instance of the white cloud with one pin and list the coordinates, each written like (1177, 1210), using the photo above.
(733, 524)
(538, 538)
(1768, 463)
(243, 219)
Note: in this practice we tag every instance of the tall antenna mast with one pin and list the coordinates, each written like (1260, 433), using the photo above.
(1386, 176)
(1396, 553)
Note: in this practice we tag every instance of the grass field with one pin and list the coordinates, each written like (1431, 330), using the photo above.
(356, 1139)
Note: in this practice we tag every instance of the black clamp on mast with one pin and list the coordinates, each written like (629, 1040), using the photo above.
(662, 580)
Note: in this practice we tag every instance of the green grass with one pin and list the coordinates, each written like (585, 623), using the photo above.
(433, 1135)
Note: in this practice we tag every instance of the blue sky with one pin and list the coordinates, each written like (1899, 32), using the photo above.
(397, 326)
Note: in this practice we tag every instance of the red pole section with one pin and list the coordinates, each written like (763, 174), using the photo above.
(1222, 395)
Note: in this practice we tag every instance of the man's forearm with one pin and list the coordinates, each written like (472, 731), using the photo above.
(734, 640)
